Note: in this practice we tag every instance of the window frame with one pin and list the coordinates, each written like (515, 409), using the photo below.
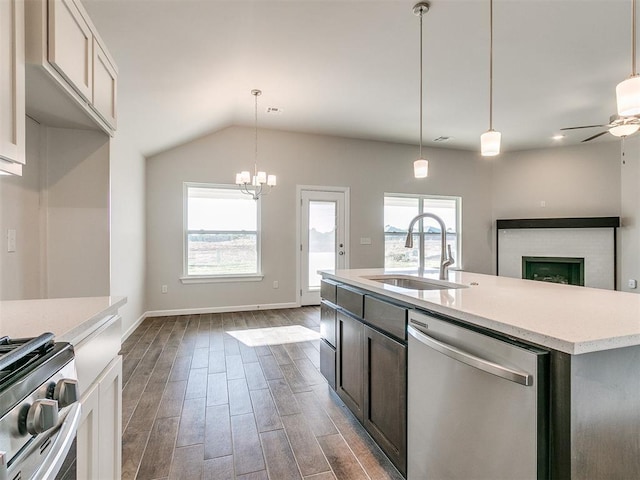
(186, 278)
(420, 228)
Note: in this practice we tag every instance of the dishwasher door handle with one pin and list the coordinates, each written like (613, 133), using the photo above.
(507, 373)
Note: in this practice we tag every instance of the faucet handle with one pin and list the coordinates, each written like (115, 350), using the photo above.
(450, 259)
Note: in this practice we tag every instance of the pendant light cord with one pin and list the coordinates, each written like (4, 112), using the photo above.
(491, 64)
(633, 39)
(255, 164)
(421, 14)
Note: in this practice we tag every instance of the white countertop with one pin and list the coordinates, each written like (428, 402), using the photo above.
(567, 318)
(66, 318)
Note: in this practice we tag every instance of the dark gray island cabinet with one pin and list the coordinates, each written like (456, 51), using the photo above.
(367, 364)
(592, 415)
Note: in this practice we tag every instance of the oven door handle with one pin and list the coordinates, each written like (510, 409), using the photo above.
(61, 446)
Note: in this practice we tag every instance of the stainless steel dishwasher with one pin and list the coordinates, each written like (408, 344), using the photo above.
(477, 405)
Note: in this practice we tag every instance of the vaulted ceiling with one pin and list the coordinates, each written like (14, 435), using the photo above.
(351, 67)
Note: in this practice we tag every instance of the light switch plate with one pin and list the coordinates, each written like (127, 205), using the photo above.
(632, 283)
(365, 241)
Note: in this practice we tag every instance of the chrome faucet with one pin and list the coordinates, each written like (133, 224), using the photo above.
(446, 259)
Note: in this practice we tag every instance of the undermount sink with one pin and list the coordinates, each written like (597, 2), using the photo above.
(414, 283)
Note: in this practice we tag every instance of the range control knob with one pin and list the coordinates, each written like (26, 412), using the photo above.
(42, 415)
(66, 392)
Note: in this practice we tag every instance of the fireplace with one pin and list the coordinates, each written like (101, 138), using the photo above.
(565, 270)
(578, 251)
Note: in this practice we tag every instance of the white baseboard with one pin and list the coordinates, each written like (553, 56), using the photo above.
(135, 325)
(240, 308)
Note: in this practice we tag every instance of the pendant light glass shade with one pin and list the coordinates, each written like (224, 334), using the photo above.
(628, 96)
(490, 143)
(421, 168)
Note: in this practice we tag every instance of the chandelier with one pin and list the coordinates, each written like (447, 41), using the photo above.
(254, 185)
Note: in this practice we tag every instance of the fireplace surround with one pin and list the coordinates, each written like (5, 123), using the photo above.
(578, 251)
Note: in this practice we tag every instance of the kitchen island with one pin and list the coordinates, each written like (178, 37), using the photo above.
(92, 325)
(592, 336)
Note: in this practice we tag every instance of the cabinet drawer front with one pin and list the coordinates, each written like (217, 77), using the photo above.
(96, 352)
(351, 300)
(328, 323)
(328, 290)
(386, 316)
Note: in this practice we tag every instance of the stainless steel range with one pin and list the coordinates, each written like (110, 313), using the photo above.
(39, 407)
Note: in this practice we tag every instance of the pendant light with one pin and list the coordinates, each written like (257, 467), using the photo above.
(421, 166)
(628, 91)
(254, 185)
(490, 140)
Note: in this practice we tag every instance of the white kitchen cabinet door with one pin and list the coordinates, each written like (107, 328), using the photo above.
(87, 438)
(71, 46)
(105, 82)
(12, 87)
(110, 457)
(99, 438)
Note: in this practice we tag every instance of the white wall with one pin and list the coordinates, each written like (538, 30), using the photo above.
(20, 209)
(368, 168)
(575, 181)
(77, 199)
(629, 265)
(128, 247)
(59, 209)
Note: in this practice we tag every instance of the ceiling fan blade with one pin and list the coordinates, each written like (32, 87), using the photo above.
(595, 136)
(584, 126)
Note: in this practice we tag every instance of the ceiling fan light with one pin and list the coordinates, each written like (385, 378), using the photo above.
(490, 143)
(628, 96)
(421, 168)
(624, 130)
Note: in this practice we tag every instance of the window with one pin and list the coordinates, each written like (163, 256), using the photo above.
(399, 210)
(221, 232)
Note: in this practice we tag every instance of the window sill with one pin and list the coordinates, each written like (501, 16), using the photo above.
(221, 278)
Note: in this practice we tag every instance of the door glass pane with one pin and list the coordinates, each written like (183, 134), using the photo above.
(322, 239)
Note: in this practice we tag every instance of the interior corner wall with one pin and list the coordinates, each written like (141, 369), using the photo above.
(629, 264)
(575, 181)
(368, 168)
(128, 244)
(77, 218)
(21, 210)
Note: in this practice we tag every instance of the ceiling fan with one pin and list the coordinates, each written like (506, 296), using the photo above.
(617, 126)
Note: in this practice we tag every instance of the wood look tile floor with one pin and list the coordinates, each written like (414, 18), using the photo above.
(198, 403)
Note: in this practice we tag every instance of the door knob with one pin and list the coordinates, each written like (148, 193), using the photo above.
(340, 253)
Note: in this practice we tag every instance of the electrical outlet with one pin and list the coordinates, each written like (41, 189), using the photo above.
(164, 289)
(276, 284)
(365, 241)
(11, 240)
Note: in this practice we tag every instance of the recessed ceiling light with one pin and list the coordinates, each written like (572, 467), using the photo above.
(558, 137)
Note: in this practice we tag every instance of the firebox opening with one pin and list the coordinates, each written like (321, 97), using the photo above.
(565, 270)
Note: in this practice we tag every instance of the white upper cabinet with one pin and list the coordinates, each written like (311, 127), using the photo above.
(71, 45)
(105, 85)
(63, 49)
(12, 87)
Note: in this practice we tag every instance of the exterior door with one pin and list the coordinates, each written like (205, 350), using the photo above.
(323, 239)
